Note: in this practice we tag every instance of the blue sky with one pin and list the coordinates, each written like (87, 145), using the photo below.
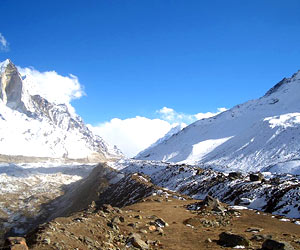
(135, 57)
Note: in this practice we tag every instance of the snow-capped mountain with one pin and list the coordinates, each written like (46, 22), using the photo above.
(31, 126)
(259, 134)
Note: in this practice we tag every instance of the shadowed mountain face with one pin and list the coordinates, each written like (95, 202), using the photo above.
(31, 126)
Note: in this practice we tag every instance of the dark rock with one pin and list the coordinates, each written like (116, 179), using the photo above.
(199, 171)
(256, 177)
(121, 218)
(231, 240)
(275, 181)
(113, 226)
(276, 245)
(235, 175)
(161, 223)
(106, 208)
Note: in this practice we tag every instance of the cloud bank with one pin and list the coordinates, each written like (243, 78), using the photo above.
(133, 135)
(52, 86)
(4, 45)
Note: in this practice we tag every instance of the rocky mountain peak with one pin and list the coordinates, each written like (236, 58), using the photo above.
(11, 86)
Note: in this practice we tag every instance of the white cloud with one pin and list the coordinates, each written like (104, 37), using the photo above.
(4, 45)
(170, 115)
(52, 86)
(133, 134)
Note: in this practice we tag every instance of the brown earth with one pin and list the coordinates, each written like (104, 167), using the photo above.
(92, 229)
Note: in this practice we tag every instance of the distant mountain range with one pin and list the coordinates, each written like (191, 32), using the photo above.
(262, 134)
(32, 127)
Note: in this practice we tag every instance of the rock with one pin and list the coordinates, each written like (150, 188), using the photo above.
(113, 226)
(161, 223)
(133, 225)
(138, 217)
(199, 171)
(116, 220)
(88, 240)
(208, 240)
(213, 204)
(231, 240)
(253, 230)
(152, 228)
(46, 241)
(106, 208)
(261, 237)
(276, 245)
(137, 242)
(235, 175)
(275, 181)
(256, 177)
(122, 219)
(16, 243)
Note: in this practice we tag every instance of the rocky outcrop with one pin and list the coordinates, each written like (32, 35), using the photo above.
(276, 245)
(11, 87)
(232, 240)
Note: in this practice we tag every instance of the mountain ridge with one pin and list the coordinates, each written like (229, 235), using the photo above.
(248, 137)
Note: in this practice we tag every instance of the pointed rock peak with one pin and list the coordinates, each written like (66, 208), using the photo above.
(6, 64)
(11, 86)
(284, 81)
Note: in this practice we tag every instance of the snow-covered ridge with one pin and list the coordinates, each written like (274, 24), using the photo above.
(251, 136)
(32, 126)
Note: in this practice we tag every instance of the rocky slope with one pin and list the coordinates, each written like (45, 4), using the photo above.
(141, 215)
(31, 126)
(274, 193)
(256, 135)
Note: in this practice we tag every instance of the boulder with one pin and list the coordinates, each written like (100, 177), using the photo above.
(276, 245)
(256, 177)
(137, 242)
(213, 204)
(228, 239)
